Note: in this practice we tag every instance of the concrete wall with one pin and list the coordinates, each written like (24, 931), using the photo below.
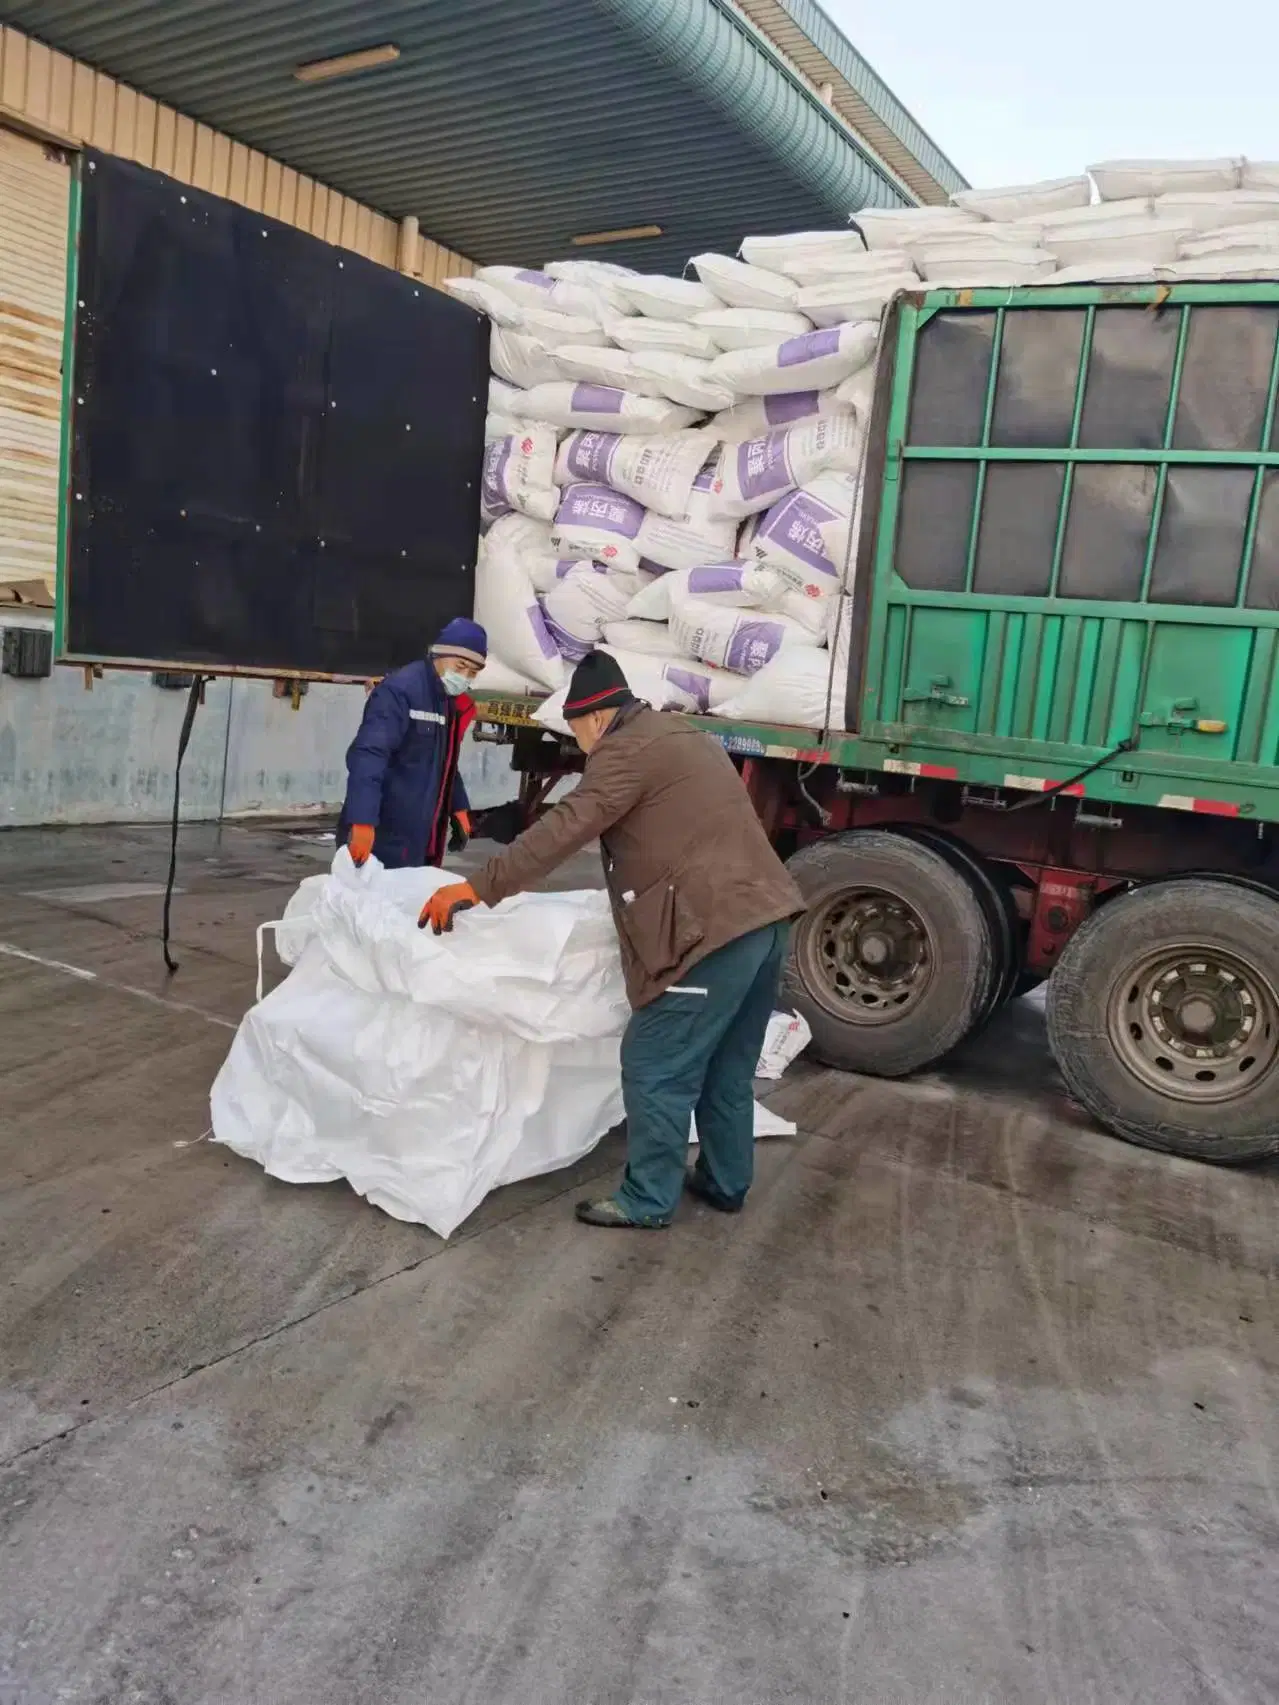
(107, 755)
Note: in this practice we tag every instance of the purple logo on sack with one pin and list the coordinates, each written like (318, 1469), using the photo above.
(597, 399)
(789, 406)
(810, 346)
(763, 465)
(752, 645)
(598, 507)
(590, 454)
(705, 480)
(541, 631)
(540, 280)
(696, 688)
(715, 577)
(795, 526)
(493, 479)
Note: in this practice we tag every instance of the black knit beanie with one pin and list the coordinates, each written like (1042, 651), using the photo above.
(598, 684)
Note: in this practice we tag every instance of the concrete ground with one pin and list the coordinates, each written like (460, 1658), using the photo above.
(974, 1404)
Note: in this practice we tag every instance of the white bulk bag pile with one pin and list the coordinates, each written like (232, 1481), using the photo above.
(428, 1070)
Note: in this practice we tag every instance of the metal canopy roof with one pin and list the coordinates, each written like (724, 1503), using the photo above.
(507, 128)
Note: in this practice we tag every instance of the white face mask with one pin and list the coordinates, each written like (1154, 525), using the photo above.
(454, 682)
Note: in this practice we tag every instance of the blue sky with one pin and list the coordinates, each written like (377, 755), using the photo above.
(1014, 92)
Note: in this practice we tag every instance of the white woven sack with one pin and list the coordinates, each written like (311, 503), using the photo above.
(656, 471)
(680, 337)
(507, 608)
(502, 396)
(520, 360)
(666, 298)
(815, 361)
(791, 538)
(743, 640)
(1152, 241)
(534, 289)
(580, 605)
(600, 277)
(750, 328)
(652, 639)
(519, 475)
(1134, 270)
(1212, 212)
(1025, 201)
(1260, 174)
(499, 677)
(530, 542)
(488, 299)
(1117, 180)
(756, 416)
(682, 379)
(776, 254)
(740, 285)
(1005, 273)
(897, 227)
(751, 477)
(1259, 265)
(605, 525)
(601, 408)
(1263, 235)
(736, 585)
(593, 365)
(847, 301)
(1096, 214)
(500, 426)
(868, 266)
(794, 689)
(557, 330)
(857, 393)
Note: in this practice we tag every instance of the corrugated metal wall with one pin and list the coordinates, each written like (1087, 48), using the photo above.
(70, 102)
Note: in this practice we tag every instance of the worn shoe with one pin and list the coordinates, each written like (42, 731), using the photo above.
(608, 1213)
(697, 1186)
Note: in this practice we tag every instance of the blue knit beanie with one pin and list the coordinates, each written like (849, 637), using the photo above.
(462, 638)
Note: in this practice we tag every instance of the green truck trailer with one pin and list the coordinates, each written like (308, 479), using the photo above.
(1054, 755)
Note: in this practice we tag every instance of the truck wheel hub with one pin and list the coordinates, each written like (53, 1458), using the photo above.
(1198, 1025)
(873, 956)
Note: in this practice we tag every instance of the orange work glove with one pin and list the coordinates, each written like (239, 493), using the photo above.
(360, 842)
(444, 905)
(461, 831)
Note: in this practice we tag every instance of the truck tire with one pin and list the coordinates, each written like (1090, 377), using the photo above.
(893, 963)
(1163, 1016)
(995, 893)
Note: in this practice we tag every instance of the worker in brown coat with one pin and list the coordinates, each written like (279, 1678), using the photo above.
(703, 908)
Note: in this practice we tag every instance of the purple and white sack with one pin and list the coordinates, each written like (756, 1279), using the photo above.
(507, 607)
(734, 585)
(755, 417)
(790, 537)
(519, 475)
(602, 408)
(583, 601)
(656, 471)
(675, 683)
(813, 362)
(533, 289)
(595, 521)
(743, 640)
(753, 476)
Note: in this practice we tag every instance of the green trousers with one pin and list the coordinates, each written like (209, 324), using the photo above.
(694, 1051)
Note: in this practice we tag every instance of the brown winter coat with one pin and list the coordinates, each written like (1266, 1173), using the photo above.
(687, 863)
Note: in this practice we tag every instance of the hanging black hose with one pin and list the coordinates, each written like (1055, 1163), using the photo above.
(184, 740)
(1129, 745)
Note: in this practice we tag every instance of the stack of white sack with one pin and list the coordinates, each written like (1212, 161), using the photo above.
(429, 1070)
(644, 429)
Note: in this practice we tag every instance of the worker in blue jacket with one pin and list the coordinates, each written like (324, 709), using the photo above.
(403, 788)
